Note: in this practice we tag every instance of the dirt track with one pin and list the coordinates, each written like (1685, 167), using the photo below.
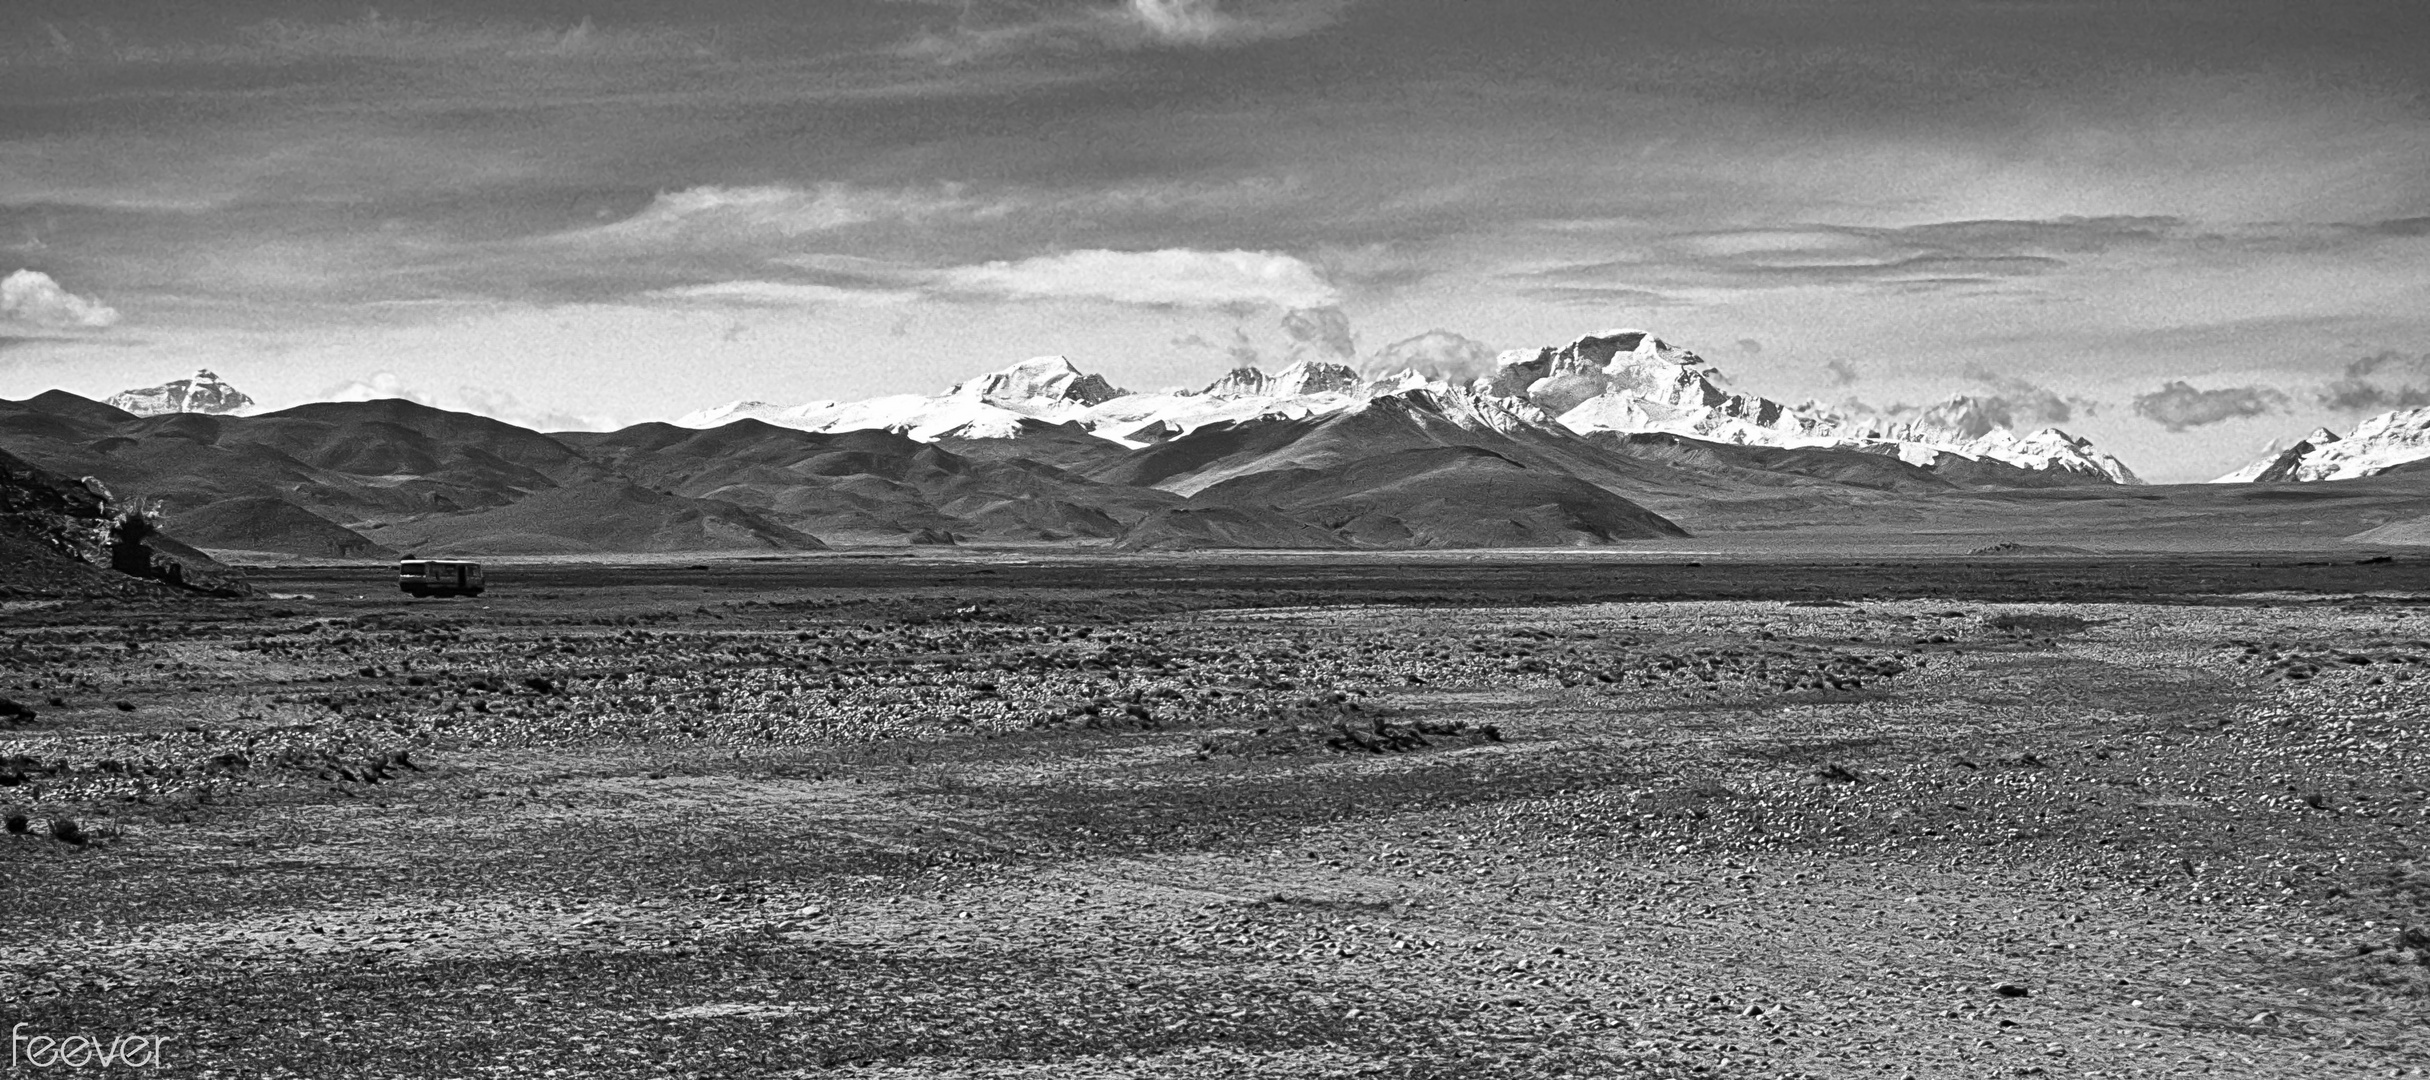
(1054, 828)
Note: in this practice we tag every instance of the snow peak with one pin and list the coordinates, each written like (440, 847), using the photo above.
(80, 1051)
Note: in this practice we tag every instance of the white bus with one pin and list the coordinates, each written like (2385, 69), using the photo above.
(439, 577)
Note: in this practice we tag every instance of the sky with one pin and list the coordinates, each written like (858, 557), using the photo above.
(2181, 229)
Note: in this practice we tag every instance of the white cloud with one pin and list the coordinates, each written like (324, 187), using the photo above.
(1326, 330)
(33, 298)
(783, 211)
(1173, 277)
(767, 217)
(1181, 22)
(480, 401)
(1130, 24)
(1437, 354)
(781, 294)
(371, 36)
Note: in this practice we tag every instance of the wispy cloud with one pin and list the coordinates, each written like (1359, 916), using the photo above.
(32, 298)
(986, 29)
(1929, 257)
(758, 214)
(2022, 402)
(2177, 405)
(2406, 227)
(369, 36)
(1589, 296)
(1238, 283)
(1324, 331)
(782, 294)
(1173, 277)
(1437, 353)
(2377, 383)
(739, 228)
(2007, 401)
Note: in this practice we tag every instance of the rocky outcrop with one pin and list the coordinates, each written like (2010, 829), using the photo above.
(49, 519)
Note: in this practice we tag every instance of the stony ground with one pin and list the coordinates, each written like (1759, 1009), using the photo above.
(1008, 832)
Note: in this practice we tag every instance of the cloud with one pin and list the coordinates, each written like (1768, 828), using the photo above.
(780, 294)
(1750, 346)
(1598, 297)
(771, 212)
(857, 236)
(1173, 277)
(2359, 391)
(1437, 354)
(372, 36)
(2177, 405)
(711, 213)
(1373, 268)
(987, 29)
(2014, 403)
(2050, 236)
(2019, 403)
(1917, 258)
(1326, 329)
(1242, 351)
(32, 298)
(1242, 284)
(2402, 227)
(480, 401)
(1193, 340)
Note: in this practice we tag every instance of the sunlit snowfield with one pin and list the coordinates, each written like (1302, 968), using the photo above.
(987, 818)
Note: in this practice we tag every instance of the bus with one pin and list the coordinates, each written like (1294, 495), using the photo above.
(439, 577)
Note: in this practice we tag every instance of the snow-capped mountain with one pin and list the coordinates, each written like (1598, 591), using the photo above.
(1630, 380)
(992, 406)
(204, 393)
(2375, 446)
(1621, 380)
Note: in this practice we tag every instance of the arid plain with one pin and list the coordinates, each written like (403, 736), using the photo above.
(1485, 815)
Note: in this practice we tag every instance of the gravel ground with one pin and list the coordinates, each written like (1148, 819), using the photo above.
(1013, 835)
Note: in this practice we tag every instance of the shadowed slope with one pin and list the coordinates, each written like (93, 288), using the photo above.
(875, 482)
(1452, 496)
(1192, 528)
(354, 461)
(261, 523)
(597, 516)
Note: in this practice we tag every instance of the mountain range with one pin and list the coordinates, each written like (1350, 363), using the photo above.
(2390, 442)
(1612, 439)
(1620, 380)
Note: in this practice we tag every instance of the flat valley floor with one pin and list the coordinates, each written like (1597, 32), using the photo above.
(997, 816)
